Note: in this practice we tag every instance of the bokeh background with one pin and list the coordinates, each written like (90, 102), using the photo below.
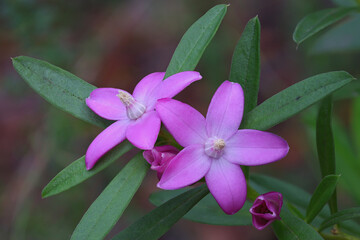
(114, 43)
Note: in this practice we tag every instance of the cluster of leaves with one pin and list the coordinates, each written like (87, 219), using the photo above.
(68, 92)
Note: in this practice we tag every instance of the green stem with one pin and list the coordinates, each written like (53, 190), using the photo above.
(252, 194)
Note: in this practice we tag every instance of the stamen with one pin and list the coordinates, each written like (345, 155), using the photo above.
(214, 147)
(125, 98)
(134, 109)
(219, 144)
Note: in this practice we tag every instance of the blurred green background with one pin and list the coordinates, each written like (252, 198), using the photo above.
(113, 43)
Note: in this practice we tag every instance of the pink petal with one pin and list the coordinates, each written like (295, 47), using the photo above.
(274, 201)
(225, 111)
(188, 167)
(105, 103)
(260, 223)
(252, 147)
(143, 132)
(174, 84)
(106, 140)
(227, 184)
(146, 89)
(185, 123)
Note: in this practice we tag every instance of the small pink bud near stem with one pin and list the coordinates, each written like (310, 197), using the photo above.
(266, 209)
(160, 157)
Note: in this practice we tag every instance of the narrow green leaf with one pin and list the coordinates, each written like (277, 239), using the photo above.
(106, 210)
(325, 145)
(59, 87)
(76, 172)
(291, 227)
(315, 22)
(347, 162)
(340, 216)
(195, 41)
(339, 39)
(321, 196)
(294, 99)
(207, 210)
(245, 65)
(355, 126)
(157, 222)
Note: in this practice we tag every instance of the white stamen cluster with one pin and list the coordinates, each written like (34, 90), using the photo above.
(214, 147)
(134, 109)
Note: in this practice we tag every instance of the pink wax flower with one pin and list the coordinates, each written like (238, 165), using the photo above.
(214, 147)
(160, 157)
(135, 114)
(266, 209)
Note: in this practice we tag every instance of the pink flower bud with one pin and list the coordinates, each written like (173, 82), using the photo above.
(159, 157)
(266, 209)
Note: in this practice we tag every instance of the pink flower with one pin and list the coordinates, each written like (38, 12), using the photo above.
(160, 157)
(135, 114)
(266, 209)
(214, 147)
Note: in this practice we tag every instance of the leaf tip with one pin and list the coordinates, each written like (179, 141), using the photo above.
(44, 194)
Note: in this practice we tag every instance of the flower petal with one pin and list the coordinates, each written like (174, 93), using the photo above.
(143, 132)
(260, 223)
(147, 87)
(225, 111)
(105, 103)
(274, 201)
(188, 167)
(106, 140)
(185, 123)
(227, 184)
(174, 84)
(252, 147)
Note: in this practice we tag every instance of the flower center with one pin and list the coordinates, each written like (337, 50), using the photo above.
(214, 147)
(134, 109)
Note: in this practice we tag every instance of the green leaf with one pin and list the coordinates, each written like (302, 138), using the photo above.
(294, 99)
(59, 87)
(106, 210)
(325, 145)
(324, 138)
(76, 172)
(315, 22)
(355, 126)
(339, 39)
(340, 216)
(292, 227)
(195, 41)
(321, 196)
(206, 211)
(347, 162)
(157, 222)
(245, 65)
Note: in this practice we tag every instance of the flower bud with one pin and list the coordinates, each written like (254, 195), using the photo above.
(160, 157)
(266, 209)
